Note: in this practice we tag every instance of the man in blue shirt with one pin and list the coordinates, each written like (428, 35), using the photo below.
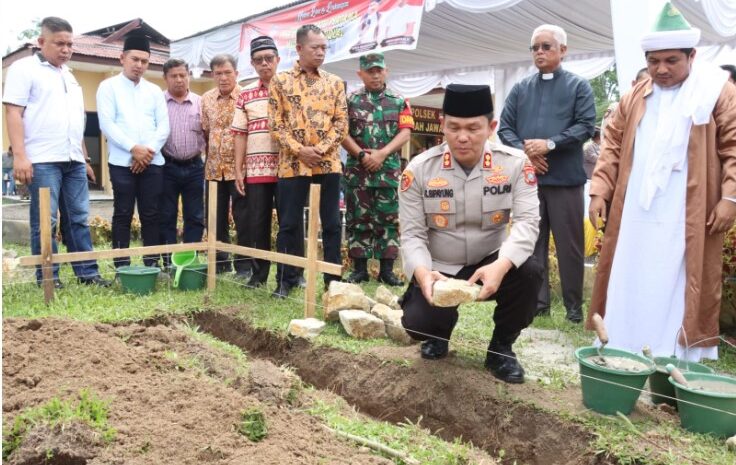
(134, 118)
(549, 115)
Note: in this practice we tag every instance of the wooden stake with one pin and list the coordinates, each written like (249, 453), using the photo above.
(212, 236)
(47, 267)
(310, 294)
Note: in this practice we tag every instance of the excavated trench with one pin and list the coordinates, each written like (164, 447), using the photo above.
(453, 401)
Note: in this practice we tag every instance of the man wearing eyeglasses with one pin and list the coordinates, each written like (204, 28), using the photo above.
(257, 153)
(549, 115)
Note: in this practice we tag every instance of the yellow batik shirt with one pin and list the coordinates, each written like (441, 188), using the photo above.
(308, 112)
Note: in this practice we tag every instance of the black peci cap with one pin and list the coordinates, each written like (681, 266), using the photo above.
(466, 101)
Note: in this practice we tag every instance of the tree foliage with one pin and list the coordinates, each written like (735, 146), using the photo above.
(27, 35)
(605, 91)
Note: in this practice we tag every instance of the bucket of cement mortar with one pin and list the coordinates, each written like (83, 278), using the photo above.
(607, 389)
(707, 390)
(662, 390)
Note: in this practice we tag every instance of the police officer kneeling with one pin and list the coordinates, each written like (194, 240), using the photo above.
(455, 204)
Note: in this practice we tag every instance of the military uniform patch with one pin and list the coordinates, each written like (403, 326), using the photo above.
(497, 217)
(445, 205)
(529, 176)
(407, 178)
(438, 182)
(440, 221)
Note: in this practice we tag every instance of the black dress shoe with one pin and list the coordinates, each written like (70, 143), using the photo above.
(302, 282)
(544, 311)
(433, 349)
(282, 291)
(245, 275)
(575, 316)
(256, 282)
(95, 281)
(502, 364)
(57, 284)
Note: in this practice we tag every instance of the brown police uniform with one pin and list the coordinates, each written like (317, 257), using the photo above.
(454, 223)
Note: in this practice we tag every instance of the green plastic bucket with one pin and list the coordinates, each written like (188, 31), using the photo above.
(721, 422)
(138, 279)
(662, 390)
(606, 390)
(193, 277)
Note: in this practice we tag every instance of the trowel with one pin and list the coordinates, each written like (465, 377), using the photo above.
(600, 331)
(676, 375)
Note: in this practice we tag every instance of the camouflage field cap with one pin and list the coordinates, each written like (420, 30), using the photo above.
(372, 60)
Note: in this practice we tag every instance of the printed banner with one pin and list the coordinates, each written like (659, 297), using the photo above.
(352, 27)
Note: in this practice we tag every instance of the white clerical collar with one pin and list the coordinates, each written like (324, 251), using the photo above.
(548, 76)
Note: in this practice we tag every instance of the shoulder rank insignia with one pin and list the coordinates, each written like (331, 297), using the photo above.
(487, 161)
(446, 161)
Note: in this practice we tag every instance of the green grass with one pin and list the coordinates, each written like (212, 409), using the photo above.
(253, 424)
(57, 412)
(470, 339)
(409, 438)
(649, 443)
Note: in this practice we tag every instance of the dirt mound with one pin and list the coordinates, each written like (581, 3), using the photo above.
(73, 444)
(172, 399)
(452, 399)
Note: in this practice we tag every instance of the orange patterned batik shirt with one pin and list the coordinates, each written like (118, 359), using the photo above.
(217, 117)
(306, 111)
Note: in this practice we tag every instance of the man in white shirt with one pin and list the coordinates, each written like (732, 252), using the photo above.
(134, 118)
(44, 111)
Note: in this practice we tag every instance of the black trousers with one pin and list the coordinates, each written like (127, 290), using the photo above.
(143, 189)
(226, 192)
(561, 211)
(260, 199)
(515, 298)
(185, 180)
(293, 194)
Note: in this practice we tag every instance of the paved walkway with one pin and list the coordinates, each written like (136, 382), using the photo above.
(19, 211)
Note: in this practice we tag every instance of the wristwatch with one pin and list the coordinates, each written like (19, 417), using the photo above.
(361, 155)
(550, 144)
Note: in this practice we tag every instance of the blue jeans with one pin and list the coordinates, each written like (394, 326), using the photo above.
(69, 195)
(292, 198)
(186, 180)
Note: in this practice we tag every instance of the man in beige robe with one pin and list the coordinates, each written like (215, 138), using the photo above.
(701, 168)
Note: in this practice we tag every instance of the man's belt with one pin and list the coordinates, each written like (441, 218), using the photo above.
(177, 161)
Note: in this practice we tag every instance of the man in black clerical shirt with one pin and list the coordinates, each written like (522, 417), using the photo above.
(549, 115)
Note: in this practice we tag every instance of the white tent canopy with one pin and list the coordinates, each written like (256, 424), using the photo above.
(486, 41)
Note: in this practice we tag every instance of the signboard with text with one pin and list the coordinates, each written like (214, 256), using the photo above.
(352, 27)
(426, 120)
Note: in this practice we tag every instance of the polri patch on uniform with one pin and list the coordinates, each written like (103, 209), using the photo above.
(445, 205)
(498, 217)
(529, 176)
(407, 178)
(440, 221)
(438, 182)
(446, 161)
(487, 161)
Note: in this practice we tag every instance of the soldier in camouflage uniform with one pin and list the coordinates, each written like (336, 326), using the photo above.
(380, 123)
